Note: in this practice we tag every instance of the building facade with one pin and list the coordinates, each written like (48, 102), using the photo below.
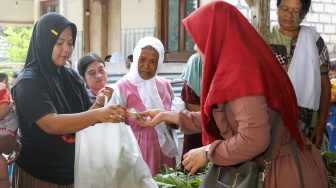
(108, 26)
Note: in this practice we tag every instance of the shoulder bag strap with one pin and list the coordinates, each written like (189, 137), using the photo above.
(268, 155)
(296, 156)
(273, 132)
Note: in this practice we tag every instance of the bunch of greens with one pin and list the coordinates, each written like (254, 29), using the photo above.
(174, 178)
(329, 159)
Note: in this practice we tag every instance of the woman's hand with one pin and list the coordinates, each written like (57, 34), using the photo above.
(317, 135)
(100, 100)
(194, 160)
(113, 113)
(154, 117)
(157, 116)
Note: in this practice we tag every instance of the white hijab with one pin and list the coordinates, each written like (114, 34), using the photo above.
(149, 94)
(304, 70)
(116, 57)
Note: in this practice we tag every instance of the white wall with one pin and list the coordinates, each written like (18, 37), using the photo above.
(75, 12)
(138, 14)
(114, 31)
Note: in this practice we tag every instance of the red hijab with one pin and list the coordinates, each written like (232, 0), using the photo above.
(238, 63)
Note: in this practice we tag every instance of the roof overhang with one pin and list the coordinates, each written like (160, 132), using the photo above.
(17, 12)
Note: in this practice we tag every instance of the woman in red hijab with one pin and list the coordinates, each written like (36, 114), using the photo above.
(243, 85)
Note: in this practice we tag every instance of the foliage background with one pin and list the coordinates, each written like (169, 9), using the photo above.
(19, 39)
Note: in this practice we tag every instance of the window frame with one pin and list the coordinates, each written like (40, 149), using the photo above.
(181, 55)
(51, 3)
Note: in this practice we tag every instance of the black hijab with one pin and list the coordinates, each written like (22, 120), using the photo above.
(64, 86)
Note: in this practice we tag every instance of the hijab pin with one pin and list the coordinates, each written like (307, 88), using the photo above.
(53, 31)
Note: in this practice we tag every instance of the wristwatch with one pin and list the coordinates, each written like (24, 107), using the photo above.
(206, 151)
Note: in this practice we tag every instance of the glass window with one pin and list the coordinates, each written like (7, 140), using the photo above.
(173, 20)
(178, 44)
(48, 9)
(191, 6)
(57, 8)
(50, 6)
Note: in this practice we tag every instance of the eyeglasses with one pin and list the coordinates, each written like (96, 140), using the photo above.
(285, 10)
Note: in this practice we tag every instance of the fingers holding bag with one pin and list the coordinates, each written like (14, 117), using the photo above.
(104, 95)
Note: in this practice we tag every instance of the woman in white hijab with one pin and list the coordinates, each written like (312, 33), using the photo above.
(142, 89)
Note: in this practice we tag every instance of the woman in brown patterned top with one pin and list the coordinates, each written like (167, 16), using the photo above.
(304, 55)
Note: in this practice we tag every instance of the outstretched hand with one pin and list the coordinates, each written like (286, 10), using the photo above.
(157, 116)
(154, 117)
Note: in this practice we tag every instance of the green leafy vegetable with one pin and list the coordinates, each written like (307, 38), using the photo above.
(329, 159)
(172, 177)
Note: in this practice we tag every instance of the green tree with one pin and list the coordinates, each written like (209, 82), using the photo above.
(19, 38)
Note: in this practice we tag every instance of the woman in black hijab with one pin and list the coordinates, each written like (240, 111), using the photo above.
(52, 104)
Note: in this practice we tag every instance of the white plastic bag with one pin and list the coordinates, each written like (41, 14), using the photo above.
(108, 155)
